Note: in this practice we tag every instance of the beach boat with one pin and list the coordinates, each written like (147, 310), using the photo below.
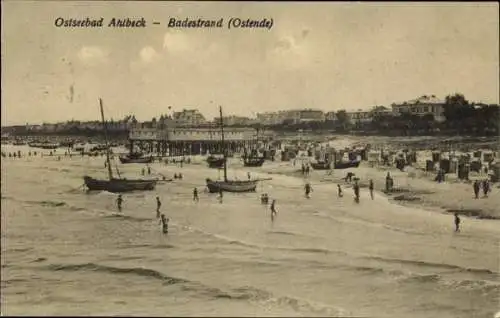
(253, 161)
(227, 185)
(347, 165)
(323, 165)
(320, 165)
(126, 159)
(135, 158)
(19, 142)
(48, 146)
(214, 162)
(112, 184)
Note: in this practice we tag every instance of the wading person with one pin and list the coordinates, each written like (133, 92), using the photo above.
(273, 210)
(119, 202)
(457, 222)
(308, 189)
(164, 224)
(339, 191)
(221, 196)
(195, 195)
(158, 206)
(370, 186)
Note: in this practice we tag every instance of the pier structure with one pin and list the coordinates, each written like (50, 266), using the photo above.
(179, 141)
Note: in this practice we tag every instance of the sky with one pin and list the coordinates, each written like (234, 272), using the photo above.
(323, 55)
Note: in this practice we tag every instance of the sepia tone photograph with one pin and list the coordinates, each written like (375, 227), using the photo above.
(250, 159)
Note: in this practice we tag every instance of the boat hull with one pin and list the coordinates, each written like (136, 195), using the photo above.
(320, 165)
(215, 162)
(119, 185)
(136, 160)
(231, 186)
(347, 165)
(258, 162)
(338, 165)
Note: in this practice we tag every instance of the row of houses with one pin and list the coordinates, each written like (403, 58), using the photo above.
(193, 118)
(419, 106)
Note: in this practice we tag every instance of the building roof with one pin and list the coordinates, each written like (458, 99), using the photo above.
(426, 99)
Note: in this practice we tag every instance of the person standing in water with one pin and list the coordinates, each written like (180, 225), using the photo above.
(164, 223)
(339, 191)
(273, 210)
(308, 189)
(119, 202)
(457, 222)
(158, 206)
(370, 186)
(221, 196)
(195, 195)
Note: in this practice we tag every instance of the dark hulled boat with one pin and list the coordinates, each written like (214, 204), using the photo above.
(324, 165)
(231, 185)
(320, 165)
(116, 185)
(253, 162)
(214, 162)
(135, 158)
(237, 186)
(347, 165)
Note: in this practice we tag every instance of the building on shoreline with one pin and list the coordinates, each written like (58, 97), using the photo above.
(294, 116)
(421, 106)
(189, 117)
(177, 140)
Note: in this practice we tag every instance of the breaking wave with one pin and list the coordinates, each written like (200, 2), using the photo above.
(48, 203)
(246, 293)
(144, 272)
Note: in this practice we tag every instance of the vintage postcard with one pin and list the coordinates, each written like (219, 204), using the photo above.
(164, 158)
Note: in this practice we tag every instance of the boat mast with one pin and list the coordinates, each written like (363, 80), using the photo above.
(108, 162)
(222, 142)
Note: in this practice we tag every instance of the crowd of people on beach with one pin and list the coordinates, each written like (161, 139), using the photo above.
(349, 178)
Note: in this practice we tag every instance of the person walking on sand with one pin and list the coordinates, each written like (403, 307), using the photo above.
(486, 188)
(356, 191)
(457, 222)
(119, 202)
(195, 195)
(370, 186)
(273, 210)
(476, 186)
(339, 191)
(158, 206)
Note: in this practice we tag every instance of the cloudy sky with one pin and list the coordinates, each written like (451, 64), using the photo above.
(328, 56)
